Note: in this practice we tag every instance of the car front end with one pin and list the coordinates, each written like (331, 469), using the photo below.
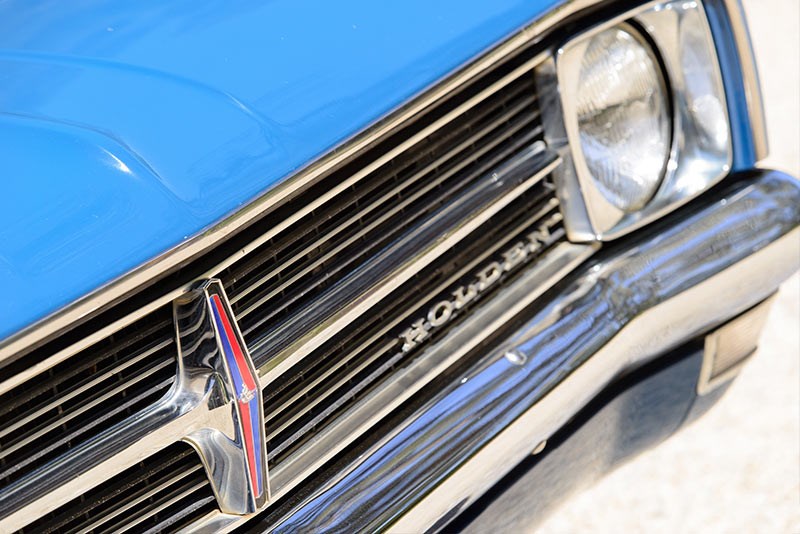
(359, 267)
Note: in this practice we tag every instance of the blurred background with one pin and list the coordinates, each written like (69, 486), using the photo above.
(738, 468)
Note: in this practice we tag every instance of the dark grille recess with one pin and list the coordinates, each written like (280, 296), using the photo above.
(162, 493)
(86, 394)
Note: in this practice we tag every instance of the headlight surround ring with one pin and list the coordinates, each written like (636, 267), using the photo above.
(700, 151)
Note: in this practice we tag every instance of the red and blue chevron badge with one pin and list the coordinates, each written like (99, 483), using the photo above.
(248, 398)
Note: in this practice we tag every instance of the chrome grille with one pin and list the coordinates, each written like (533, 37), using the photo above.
(360, 356)
(400, 194)
(300, 277)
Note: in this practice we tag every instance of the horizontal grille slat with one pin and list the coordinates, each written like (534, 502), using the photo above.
(80, 389)
(242, 272)
(404, 175)
(32, 439)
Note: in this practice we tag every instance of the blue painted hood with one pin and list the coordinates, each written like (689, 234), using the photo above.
(126, 128)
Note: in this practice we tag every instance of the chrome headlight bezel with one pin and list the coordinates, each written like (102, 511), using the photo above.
(694, 164)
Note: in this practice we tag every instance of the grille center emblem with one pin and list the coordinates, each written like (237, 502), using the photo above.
(214, 363)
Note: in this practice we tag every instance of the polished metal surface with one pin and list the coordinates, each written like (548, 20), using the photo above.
(750, 78)
(214, 362)
(428, 365)
(619, 312)
(695, 164)
(394, 266)
(202, 408)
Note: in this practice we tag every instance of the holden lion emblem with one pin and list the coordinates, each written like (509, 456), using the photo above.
(215, 369)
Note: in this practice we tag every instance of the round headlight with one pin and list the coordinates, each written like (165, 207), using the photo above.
(624, 118)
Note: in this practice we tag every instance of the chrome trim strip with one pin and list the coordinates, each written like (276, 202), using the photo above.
(82, 387)
(160, 507)
(616, 314)
(519, 144)
(25, 375)
(138, 499)
(204, 240)
(146, 373)
(750, 78)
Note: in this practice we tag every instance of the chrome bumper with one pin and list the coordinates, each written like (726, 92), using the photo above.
(630, 304)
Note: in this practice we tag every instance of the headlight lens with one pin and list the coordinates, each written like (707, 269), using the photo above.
(624, 117)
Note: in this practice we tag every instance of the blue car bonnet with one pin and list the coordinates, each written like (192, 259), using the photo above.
(126, 128)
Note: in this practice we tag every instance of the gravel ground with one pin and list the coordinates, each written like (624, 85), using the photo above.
(738, 468)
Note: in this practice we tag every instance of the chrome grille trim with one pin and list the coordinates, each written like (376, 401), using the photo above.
(140, 498)
(273, 429)
(427, 365)
(106, 456)
(31, 438)
(81, 388)
(137, 497)
(528, 138)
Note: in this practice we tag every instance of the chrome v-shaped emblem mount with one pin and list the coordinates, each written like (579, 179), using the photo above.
(214, 364)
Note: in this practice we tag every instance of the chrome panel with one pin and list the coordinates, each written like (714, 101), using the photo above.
(85, 407)
(616, 314)
(530, 285)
